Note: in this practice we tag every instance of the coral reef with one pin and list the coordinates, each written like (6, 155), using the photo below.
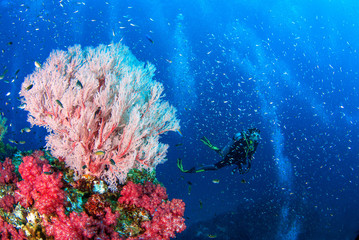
(105, 115)
(49, 203)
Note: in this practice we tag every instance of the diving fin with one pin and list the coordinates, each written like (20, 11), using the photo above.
(180, 166)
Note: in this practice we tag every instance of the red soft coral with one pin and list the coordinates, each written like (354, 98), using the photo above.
(80, 226)
(7, 203)
(7, 172)
(8, 232)
(167, 220)
(147, 196)
(48, 194)
(167, 216)
(96, 205)
(110, 217)
(40, 185)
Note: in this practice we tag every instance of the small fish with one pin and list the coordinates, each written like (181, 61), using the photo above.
(84, 167)
(149, 38)
(215, 180)
(79, 84)
(100, 153)
(179, 132)
(12, 141)
(112, 161)
(212, 236)
(243, 181)
(200, 204)
(97, 112)
(22, 106)
(22, 142)
(59, 103)
(25, 130)
(189, 187)
(3, 75)
(169, 61)
(17, 71)
(29, 87)
(9, 43)
(37, 64)
(48, 173)
(178, 144)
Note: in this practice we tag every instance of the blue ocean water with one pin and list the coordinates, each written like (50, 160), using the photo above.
(289, 68)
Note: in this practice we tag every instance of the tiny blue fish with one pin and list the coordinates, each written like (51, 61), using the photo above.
(149, 38)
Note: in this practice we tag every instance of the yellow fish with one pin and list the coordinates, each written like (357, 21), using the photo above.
(25, 130)
(179, 132)
(29, 87)
(37, 64)
(99, 153)
(215, 180)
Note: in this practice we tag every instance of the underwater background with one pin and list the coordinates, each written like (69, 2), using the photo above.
(289, 68)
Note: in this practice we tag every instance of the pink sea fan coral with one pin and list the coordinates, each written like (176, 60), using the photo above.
(102, 109)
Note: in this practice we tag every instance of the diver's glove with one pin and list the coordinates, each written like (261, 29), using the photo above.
(209, 144)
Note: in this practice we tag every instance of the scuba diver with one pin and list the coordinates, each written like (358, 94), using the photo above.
(239, 151)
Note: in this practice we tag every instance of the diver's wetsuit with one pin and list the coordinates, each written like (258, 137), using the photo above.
(236, 152)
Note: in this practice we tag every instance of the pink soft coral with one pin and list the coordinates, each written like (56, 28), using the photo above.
(8, 232)
(167, 216)
(167, 220)
(7, 203)
(7, 176)
(40, 186)
(7, 172)
(147, 196)
(81, 226)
